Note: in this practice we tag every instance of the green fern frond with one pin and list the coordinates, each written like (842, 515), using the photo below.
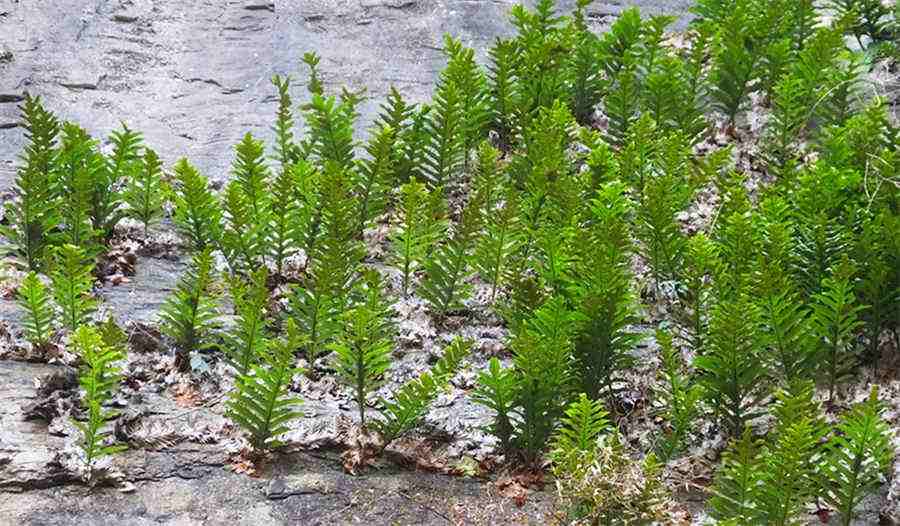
(79, 169)
(287, 217)
(189, 315)
(72, 283)
(680, 395)
(123, 165)
(331, 130)
(858, 458)
(261, 402)
(583, 422)
(376, 177)
(409, 404)
(34, 298)
(497, 391)
(734, 373)
(420, 224)
(99, 378)
(145, 192)
(247, 339)
(362, 350)
(197, 215)
(736, 485)
(835, 321)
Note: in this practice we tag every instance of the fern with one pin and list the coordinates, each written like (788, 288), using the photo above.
(409, 404)
(681, 397)
(497, 391)
(34, 298)
(735, 63)
(444, 154)
(787, 323)
(123, 164)
(858, 457)
(544, 369)
(863, 18)
(331, 129)
(733, 372)
(189, 314)
(261, 402)
(701, 264)
(835, 320)
(144, 193)
(376, 176)
(362, 349)
(580, 427)
(247, 207)
(735, 488)
(72, 283)
(287, 152)
(501, 240)
(400, 116)
(503, 95)
(197, 215)
(286, 216)
(99, 378)
(790, 463)
(78, 171)
(445, 284)
(466, 74)
(247, 340)
(33, 215)
(585, 81)
(420, 224)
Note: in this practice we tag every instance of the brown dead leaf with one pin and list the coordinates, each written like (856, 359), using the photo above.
(186, 395)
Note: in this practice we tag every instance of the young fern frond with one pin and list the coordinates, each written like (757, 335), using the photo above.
(735, 64)
(362, 350)
(787, 336)
(197, 214)
(497, 391)
(34, 298)
(33, 215)
(420, 224)
(736, 485)
(99, 378)
(144, 193)
(681, 397)
(123, 164)
(261, 402)
(503, 96)
(331, 129)
(858, 457)
(583, 422)
(734, 373)
(247, 207)
(501, 240)
(189, 314)
(790, 464)
(409, 404)
(79, 167)
(447, 271)
(72, 282)
(376, 176)
(835, 321)
(444, 154)
(466, 74)
(701, 263)
(287, 152)
(286, 217)
(248, 338)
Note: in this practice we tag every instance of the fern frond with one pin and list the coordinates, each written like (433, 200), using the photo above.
(145, 193)
(99, 378)
(34, 298)
(261, 402)
(247, 340)
(736, 485)
(376, 177)
(189, 314)
(197, 214)
(409, 404)
(72, 282)
(362, 350)
(859, 456)
(123, 165)
(420, 224)
(583, 422)
(835, 321)
(681, 397)
(497, 391)
(80, 167)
